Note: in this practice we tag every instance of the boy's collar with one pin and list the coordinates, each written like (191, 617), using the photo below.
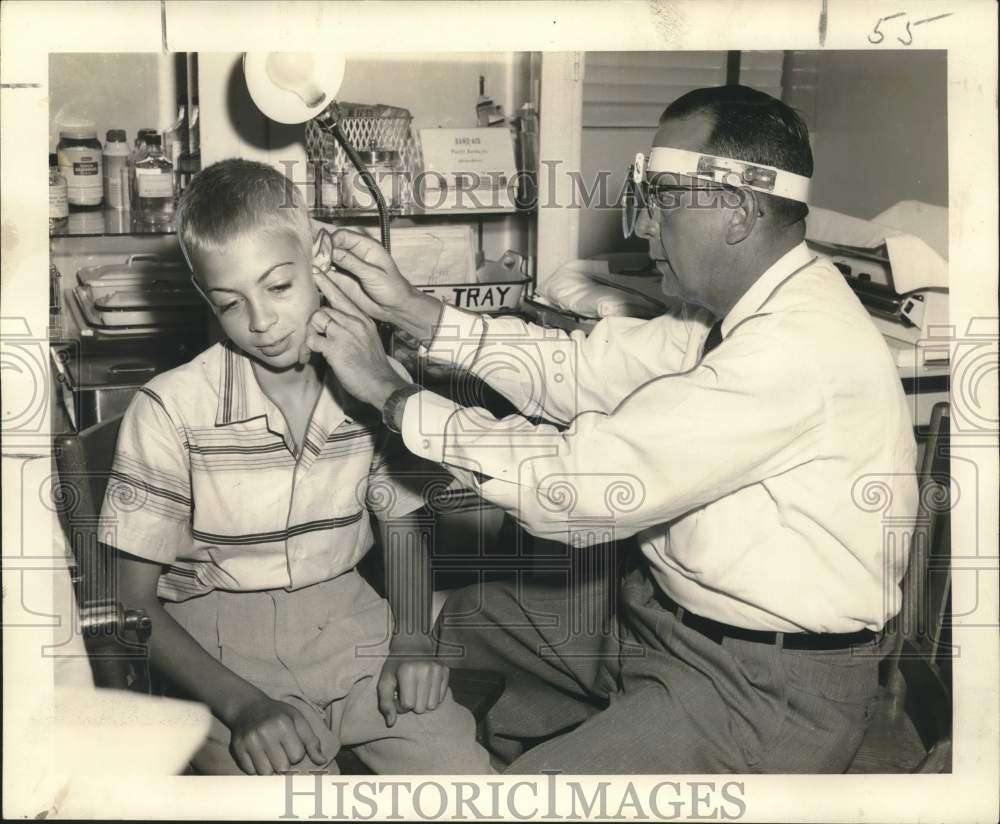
(241, 398)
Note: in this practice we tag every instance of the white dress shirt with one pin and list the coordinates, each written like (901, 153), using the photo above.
(748, 473)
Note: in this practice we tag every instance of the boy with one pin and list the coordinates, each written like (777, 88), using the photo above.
(238, 498)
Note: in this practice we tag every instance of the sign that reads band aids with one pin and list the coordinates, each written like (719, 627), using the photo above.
(476, 159)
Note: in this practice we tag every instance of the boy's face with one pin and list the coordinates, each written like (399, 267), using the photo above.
(262, 291)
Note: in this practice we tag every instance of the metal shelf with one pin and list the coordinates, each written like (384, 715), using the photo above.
(107, 222)
(413, 211)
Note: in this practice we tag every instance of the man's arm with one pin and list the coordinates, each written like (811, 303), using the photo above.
(267, 735)
(551, 374)
(750, 411)
(544, 372)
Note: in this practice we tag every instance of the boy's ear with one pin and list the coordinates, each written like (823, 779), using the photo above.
(199, 290)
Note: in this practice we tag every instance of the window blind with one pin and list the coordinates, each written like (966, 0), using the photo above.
(631, 89)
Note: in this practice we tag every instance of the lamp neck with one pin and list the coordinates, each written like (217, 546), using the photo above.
(330, 116)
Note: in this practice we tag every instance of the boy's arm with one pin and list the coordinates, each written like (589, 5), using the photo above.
(267, 735)
(411, 678)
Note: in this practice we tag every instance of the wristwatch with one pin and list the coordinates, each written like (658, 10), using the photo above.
(392, 412)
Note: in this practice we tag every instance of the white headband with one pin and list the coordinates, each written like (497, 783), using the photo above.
(732, 172)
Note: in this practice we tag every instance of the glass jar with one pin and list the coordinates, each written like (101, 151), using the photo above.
(140, 143)
(154, 186)
(80, 162)
(117, 160)
(387, 169)
(58, 197)
(328, 184)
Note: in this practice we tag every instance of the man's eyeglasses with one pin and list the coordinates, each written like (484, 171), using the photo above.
(661, 192)
(639, 196)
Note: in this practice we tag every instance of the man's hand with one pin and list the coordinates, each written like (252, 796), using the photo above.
(411, 679)
(269, 736)
(348, 340)
(377, 287)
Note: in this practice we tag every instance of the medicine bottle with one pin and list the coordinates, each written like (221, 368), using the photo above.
(58, 199)
(80, 163)
(116, 170)
(154, 187)
(140, 143)
(138, 153)
(176, 140)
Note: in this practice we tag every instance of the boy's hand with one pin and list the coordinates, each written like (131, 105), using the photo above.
(377, 287)
(269, 736)
(348, 340)
(411, 679)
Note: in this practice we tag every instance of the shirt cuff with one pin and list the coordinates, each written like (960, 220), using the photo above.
(425, 418)
(457, 339)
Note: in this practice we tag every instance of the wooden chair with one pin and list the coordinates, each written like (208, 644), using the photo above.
(910, 731)
(115, 636)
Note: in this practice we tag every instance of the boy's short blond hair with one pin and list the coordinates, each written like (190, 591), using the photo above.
(234, 198)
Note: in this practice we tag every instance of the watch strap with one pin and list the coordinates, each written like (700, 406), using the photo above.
(394, 403)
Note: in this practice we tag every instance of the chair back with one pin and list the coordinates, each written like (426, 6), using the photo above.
(918, 669)
(83, 464)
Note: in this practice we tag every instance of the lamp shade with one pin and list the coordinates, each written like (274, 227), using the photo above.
(293, 87)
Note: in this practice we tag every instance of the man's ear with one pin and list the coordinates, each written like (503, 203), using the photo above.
(743, 217)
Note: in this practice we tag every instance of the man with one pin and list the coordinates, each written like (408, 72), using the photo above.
(737, 455)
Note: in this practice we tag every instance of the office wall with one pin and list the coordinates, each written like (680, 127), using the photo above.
(130, 91)
(879, 122)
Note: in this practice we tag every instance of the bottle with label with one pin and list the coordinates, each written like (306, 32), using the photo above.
(176, 142)
(58, 198)
(116, 170)
(80, 162)
(140, 143)
(138, 153)
(154, 187)
(190, 160)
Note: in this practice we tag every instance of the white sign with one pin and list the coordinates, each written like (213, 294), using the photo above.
(468, 167)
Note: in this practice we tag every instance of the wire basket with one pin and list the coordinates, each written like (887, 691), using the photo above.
(368, 127)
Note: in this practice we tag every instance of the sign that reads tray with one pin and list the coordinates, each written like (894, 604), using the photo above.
(468, 169)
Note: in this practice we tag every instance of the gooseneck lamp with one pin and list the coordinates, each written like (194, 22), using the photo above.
(294, 87)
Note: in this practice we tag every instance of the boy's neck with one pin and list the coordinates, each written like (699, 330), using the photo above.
(289, 383)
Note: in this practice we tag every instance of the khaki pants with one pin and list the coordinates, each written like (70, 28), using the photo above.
(321, 649)
(645, 693)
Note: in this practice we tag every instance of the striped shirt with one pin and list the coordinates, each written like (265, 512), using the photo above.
(205, 481)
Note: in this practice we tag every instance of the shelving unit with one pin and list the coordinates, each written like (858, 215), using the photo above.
(439, 90)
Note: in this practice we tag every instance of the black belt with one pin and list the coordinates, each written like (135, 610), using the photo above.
(717, 631)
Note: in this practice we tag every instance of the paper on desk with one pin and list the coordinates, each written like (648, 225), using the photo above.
(426, 256)
(915, 236)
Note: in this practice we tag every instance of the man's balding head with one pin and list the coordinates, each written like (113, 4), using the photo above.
(749, 125)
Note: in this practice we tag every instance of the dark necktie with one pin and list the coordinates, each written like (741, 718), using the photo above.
(714, 338)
